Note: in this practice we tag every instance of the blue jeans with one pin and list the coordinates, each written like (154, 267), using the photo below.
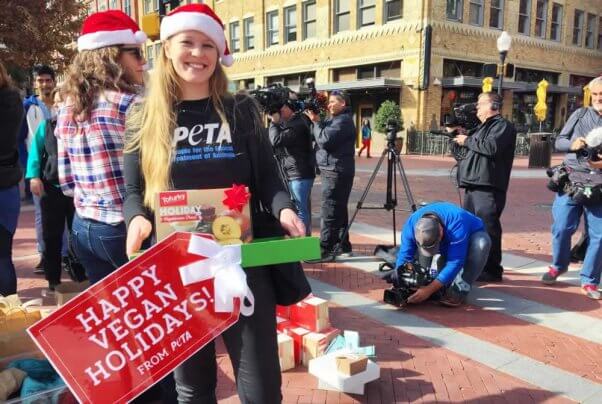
(301, 190)
(10, 201)
(566, 214)
(38, 223)
(100, 247)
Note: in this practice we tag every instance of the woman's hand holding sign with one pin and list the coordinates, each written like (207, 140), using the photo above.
(139, 230)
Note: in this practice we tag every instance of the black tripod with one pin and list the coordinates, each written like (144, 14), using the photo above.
(394, 167)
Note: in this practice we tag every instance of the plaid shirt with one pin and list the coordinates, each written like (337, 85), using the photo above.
(90, 157)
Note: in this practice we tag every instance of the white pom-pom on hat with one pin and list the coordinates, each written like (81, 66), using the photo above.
(109, 28)
(201, 18)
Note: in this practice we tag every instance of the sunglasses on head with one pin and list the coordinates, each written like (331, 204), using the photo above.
(136, 52)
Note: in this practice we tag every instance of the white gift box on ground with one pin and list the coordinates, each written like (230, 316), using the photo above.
(325, 369)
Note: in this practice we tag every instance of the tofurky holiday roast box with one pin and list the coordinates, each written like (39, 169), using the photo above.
(224, 213)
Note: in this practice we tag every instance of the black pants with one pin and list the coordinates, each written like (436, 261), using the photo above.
(488, 205)
(336, 189)
(253, 350)
(56, 210)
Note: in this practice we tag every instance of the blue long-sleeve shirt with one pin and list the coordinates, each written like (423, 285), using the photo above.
(458, 226)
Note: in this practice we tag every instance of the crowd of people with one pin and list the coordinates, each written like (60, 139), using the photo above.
(96, 150)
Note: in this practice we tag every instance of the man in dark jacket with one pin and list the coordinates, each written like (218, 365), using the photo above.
(485, 173)
(291, 137)
(335, 140)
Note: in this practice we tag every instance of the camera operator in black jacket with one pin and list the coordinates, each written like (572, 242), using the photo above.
(484, 173)
(335, 139)
(292, 140)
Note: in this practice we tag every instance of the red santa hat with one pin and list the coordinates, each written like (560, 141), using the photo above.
(198, 17)
(109, 28)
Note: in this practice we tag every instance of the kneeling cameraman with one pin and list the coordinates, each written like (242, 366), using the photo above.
(458, 236)
(291, 137)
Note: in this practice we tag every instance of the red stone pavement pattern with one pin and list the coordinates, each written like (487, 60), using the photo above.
(413, 370)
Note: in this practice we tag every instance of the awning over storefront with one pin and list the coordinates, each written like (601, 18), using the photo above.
(516, 86)
(364, 84)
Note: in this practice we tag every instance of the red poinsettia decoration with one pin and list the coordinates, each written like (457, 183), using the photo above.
(236, 197)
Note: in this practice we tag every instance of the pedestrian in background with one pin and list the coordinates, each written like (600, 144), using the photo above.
(366, 137)
(38, 109)
(100, 86)
(188, 90)
(335, 156)
(11, 116)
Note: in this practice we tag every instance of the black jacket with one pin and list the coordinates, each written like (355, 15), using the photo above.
(335, 138)
(490, 155)
(49, 161)
(292, 143)
(11, 117)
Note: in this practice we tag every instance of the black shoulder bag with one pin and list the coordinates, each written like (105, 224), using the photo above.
(290, 283)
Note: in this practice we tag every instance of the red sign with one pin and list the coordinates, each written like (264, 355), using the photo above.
(128, 331)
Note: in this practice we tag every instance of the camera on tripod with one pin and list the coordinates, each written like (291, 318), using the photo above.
(392, 129)
(410, 277)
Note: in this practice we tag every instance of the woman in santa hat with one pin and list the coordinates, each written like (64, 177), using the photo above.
(101, 84)
(190, 133)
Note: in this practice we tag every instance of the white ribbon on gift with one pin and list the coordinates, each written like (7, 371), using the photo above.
(223, 264)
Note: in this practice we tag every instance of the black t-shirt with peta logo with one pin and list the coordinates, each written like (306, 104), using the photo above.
(205, 154)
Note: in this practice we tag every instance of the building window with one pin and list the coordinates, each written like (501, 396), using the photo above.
(272, 28)
(600, 34)
(249, 34)
(366, 12)
(150, 6)
(150, 56)
(290, 24)
(591, 31)
(541, 18)
(556, 26)
(102, 5)
(577, 27)
(127, 7)
(524, 17)
(496, 14)
(342, 15)
(113, 4)
(393, 10)
(454, 10)
(309, 19)
(235, 36)
(475, 15)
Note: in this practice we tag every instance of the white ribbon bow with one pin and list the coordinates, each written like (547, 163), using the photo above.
(223, 265)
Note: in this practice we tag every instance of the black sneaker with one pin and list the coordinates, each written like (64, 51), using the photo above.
(39, 268)
(328, 257)
(489, 277)
(453, 297)
(49, 291)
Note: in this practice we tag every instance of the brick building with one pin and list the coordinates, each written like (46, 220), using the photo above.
(379, 49)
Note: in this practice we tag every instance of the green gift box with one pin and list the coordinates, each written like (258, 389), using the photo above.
(279, 251)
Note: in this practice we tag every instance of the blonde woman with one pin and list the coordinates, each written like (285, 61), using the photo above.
(188, 110)
(100, 87)
(11, 115)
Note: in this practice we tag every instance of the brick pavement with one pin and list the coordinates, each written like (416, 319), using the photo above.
(415, 370)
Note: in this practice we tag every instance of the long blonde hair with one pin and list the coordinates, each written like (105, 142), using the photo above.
(91, 72)
(154, 124)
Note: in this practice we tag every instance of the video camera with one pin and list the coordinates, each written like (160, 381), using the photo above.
(463, 115)
(593, 148)
(410, 277)
(274, 96)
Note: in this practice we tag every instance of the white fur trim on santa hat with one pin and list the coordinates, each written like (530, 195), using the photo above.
(102, 39)
(185, 21)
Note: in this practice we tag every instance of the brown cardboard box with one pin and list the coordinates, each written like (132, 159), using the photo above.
(68, 290)
(286, 352)
(315, 343)
(350, 365)
(223, 213)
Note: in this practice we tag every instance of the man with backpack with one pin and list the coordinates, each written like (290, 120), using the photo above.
(56, 208)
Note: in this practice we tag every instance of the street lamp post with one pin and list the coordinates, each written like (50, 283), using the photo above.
(503, 46)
